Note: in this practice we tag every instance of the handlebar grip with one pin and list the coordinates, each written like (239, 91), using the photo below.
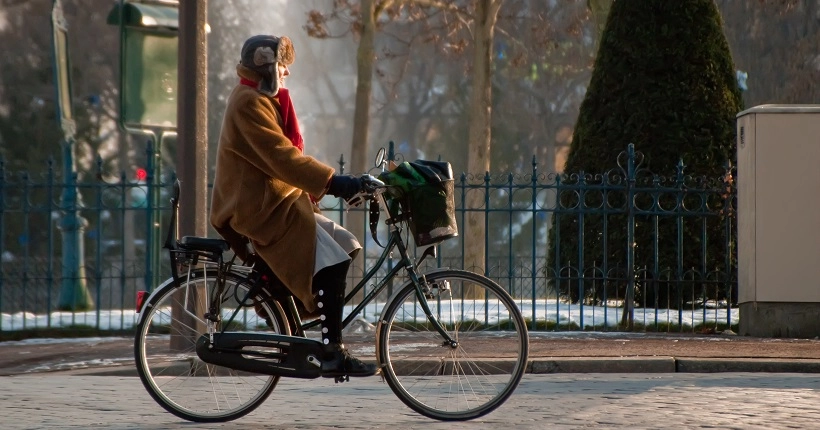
(370, 182)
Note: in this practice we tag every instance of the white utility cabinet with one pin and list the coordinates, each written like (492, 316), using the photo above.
(778, 210)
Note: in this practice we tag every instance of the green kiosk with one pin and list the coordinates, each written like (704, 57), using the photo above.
(148, 97)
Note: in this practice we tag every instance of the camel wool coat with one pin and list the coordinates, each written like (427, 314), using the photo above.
(262, 188)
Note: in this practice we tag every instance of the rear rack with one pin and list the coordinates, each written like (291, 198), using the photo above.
(190, 250)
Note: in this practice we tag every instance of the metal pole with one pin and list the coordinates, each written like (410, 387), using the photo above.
(628, 318)
(192, 140)
(151, 180)
(192, 112)
(74, 294)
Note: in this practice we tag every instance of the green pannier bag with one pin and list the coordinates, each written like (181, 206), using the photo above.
(424, 192)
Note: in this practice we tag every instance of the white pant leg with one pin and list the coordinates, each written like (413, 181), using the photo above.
(333, 243)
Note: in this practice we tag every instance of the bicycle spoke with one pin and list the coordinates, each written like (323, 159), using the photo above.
(471, 379)
(168, 363)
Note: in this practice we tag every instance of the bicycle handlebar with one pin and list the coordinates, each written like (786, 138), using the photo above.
(371, 186)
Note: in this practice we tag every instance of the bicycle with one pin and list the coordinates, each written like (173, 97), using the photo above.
(213, 340)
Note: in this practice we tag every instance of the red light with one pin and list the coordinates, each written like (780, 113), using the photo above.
(141, 174)
(141, 296)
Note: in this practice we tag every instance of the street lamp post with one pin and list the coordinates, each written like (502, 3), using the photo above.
(74, 294)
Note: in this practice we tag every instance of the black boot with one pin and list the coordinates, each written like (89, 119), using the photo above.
(338, 362)
(329, 285)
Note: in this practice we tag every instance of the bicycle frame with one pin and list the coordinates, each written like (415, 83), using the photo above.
(395, 241)
(405, 263)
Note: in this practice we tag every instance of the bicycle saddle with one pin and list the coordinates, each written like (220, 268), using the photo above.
(204, 244)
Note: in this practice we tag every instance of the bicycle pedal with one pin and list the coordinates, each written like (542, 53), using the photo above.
(340, 379)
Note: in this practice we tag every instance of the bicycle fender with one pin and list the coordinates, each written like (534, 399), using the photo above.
(149, 301)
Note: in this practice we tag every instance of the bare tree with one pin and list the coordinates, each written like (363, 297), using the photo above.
(436, 63)
(480, 122)
(777, 43)
(28, 127)
(361, 19)
(365, 58)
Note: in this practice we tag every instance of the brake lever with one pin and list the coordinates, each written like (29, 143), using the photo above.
(357, 200)
(370, 186)
(370, 183)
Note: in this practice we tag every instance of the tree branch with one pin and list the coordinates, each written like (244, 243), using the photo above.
(11, 3)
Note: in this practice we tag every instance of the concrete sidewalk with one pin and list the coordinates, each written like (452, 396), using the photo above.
(567, 352)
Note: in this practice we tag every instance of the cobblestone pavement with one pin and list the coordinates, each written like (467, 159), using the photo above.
(560, 401)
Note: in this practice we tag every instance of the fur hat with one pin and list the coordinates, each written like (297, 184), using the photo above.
(261, 54)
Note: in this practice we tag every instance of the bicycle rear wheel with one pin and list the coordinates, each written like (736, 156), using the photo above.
(166, 357)
(448, 382)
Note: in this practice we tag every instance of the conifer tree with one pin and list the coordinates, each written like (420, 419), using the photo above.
(664, 81)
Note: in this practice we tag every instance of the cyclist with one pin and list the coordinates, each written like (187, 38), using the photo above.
(266, 189)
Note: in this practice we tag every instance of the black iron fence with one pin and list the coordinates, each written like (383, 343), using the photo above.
(624, 249)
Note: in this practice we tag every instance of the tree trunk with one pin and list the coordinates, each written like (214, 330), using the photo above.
(359, 156)
(365, 59)
(480, 120)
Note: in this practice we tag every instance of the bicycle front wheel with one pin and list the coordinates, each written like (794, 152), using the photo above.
(453, 382)
(165, 348)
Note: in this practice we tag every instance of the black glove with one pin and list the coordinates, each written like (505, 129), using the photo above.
(344, 186)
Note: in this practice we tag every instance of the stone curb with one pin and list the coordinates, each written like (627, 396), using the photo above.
(772, 365)
(671, 365)
(602, 365)
(545, 365)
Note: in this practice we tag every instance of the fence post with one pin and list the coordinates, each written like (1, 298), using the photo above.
(582, 186)
(679, 248)
(98, 255)
(149, 216)
(2, 230)
(50, 270)
(534, 205)
(629, 305)
(510, 249)
(486, 222)
(556, 225)
(728, 214)
(464, 188)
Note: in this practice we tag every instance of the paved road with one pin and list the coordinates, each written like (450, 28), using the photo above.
(562, 401)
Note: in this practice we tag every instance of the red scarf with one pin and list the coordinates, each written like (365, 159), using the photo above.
(290, 125)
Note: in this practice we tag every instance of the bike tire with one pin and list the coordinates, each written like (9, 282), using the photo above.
(167, 363)
(453, 383)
